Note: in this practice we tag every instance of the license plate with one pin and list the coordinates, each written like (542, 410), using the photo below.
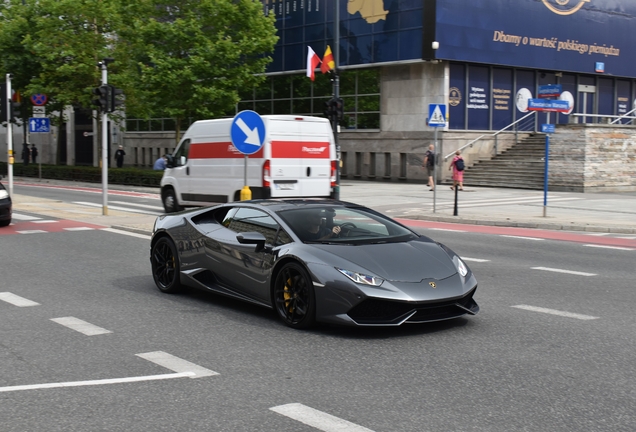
(285, 186)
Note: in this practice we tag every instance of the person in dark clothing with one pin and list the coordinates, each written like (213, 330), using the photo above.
(26, 153)
(315, 230)
(119, 156)
(34, 153)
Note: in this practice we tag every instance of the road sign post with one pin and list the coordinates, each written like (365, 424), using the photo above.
(247, 133)
(436, 119)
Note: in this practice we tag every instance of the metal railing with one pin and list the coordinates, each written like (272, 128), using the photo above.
(607, 116)
(493, 135)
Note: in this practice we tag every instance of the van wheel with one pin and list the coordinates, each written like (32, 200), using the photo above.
(170, 203)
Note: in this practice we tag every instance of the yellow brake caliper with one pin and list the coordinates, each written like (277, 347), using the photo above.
(287, 296)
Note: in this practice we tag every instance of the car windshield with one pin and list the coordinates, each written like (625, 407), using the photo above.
(344, 225)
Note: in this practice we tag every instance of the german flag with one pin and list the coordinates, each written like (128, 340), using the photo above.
(327, 61)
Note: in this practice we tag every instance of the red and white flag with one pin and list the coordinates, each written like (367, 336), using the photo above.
(312, 62)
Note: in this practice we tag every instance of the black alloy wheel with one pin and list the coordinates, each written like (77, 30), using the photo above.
(294, 297)
(170, 203)
(165, 265)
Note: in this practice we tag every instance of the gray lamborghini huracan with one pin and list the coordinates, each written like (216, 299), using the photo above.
(313, 260)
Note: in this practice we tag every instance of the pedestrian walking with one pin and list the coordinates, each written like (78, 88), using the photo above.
(429, 166)
(457, 165)
(34, 153)
(26, 153)
(119, 156)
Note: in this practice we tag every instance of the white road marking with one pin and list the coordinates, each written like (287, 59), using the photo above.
(23, 217)
(43, 221)
(79, 229)
(609, 247)
(475, 259)
(81, 326)
(17, 300)
(523, 238)
(146, 206)
(555, 312)
(446, 229)
(126, 209)
(31, 232)
(627, 238)
(176, 364)
(317, 419)
(128, 233)
(564, 271)
(96, 382)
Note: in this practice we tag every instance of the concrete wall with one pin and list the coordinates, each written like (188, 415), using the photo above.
(593, 158)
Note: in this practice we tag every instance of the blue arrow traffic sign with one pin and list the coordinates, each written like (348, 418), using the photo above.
(437, 115)
(39, 124)
(247, 132)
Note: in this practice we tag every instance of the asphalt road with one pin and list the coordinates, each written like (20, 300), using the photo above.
(552, 348)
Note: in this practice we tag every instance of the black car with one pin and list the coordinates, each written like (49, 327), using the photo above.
(313, 260)
(5, 207)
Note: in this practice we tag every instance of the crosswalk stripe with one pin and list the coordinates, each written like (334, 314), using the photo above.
(317, 419)
(555, 312)
(577, 273)
(23, 217)
(126, 209)
(80, 326)
(31, 231)
(176, 364)
(17, 300)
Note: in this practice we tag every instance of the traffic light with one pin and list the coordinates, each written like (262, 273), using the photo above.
(114, 102)
(327, 109)
(3, 102)
(103, 98)
(15, 109)
(338, 108)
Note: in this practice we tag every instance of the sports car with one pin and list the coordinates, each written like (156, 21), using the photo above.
(313, 260)
(5, 207)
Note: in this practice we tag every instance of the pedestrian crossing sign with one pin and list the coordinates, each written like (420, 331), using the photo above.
(437, 115)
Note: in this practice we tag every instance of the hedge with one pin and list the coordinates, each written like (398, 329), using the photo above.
(123, 176)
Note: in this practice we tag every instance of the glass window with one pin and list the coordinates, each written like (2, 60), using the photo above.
(243, 219)
(357, 225)
(181, 154)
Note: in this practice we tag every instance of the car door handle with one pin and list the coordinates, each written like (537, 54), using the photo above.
(187, 170)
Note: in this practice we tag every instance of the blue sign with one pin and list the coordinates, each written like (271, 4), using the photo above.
(550, 90)
(547, 128)
(247, 132)
(39, 125)
(437, 115)
(600, 67)
(548, 105)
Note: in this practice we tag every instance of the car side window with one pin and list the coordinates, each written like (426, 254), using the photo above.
(181, 155)
(242, 219)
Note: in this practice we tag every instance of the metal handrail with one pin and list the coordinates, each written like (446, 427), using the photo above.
(470, 144)
(624, 116)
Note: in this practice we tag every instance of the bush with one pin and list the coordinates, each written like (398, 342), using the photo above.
(123, 176)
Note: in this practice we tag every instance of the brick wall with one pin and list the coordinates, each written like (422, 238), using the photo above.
(593, 158)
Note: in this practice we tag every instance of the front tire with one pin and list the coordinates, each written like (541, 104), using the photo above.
(294, 297)
(170, 203)
(165, 265)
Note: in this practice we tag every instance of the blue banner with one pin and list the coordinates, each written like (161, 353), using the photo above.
(560, 35)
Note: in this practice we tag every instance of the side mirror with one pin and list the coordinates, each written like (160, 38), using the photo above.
(170, 161)
(252, 238)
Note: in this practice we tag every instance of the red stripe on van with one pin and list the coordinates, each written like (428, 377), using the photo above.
(220, 150)
(298, 150)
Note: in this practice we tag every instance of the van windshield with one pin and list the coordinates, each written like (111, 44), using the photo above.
(346, 225)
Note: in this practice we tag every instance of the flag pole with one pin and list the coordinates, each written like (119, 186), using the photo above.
(336, 92)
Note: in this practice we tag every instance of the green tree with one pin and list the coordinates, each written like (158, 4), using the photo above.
(190, 58)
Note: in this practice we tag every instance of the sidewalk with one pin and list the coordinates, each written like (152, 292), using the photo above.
(605, 212)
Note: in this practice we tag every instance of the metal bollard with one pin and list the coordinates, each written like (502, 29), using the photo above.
(456, 192)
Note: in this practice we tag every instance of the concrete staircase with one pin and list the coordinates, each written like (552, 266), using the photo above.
(520, 167)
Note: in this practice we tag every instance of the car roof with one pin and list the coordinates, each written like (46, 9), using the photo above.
(298, 203)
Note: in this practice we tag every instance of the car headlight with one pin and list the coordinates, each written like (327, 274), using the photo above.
(461, 267)
(4, 194)
(361, 278)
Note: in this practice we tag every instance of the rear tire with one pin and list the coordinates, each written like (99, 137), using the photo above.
(294, 297)
(5, 223)
(165, 265)
(170, 203)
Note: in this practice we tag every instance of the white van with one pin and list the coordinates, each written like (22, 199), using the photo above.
(297, 159)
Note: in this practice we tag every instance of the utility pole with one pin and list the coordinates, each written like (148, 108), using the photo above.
(336, 92)
(11, 159)
(104, 111)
